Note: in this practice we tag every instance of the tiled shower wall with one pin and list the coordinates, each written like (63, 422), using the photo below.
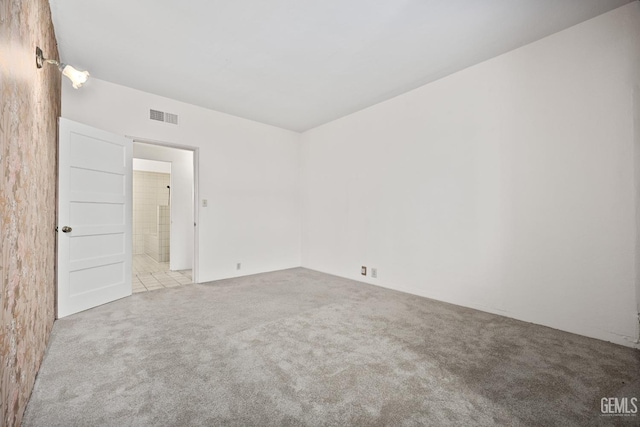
(29, 109)
(149, 191)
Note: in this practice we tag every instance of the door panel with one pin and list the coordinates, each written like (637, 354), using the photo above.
(94, 201)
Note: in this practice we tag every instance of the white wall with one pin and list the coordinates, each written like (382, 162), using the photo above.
(151, 166)
(248, 173)
(507, 187)
(182, 230)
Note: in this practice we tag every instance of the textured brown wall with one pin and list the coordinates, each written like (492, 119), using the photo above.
(29, 109)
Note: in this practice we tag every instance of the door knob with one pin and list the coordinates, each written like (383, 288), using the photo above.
(66, 229)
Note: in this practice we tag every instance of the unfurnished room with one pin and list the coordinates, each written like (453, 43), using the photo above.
(320, 213)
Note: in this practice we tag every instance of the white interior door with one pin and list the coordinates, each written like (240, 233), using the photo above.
(94, 217)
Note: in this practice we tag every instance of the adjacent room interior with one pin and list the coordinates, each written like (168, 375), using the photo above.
(157, 263)
(400, 213)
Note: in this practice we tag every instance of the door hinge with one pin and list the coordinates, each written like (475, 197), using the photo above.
(56, 229)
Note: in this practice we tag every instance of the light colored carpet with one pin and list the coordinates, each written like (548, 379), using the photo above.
(298, 347)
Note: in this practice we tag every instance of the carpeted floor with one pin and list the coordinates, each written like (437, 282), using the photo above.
(298, 347)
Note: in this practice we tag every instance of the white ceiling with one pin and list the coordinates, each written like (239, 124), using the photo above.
(297, 64)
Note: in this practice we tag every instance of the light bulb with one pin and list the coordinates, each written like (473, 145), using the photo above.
(78, 78)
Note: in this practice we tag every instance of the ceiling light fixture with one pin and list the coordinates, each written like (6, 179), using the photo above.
(78, 78)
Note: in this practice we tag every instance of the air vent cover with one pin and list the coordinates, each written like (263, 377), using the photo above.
(171, 118)
(157, 115)
(161, 116)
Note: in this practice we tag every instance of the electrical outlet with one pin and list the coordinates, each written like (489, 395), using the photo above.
(205, 203)
(363, 270)
(238, 266)
(374, 272)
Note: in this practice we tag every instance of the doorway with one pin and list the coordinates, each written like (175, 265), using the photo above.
(152, 228)
(164, 185)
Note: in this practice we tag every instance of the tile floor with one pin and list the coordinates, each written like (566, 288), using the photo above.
(149, 275)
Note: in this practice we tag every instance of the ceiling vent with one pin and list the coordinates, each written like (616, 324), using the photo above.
(161, 116)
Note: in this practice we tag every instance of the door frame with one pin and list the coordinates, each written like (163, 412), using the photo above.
(196, 212)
